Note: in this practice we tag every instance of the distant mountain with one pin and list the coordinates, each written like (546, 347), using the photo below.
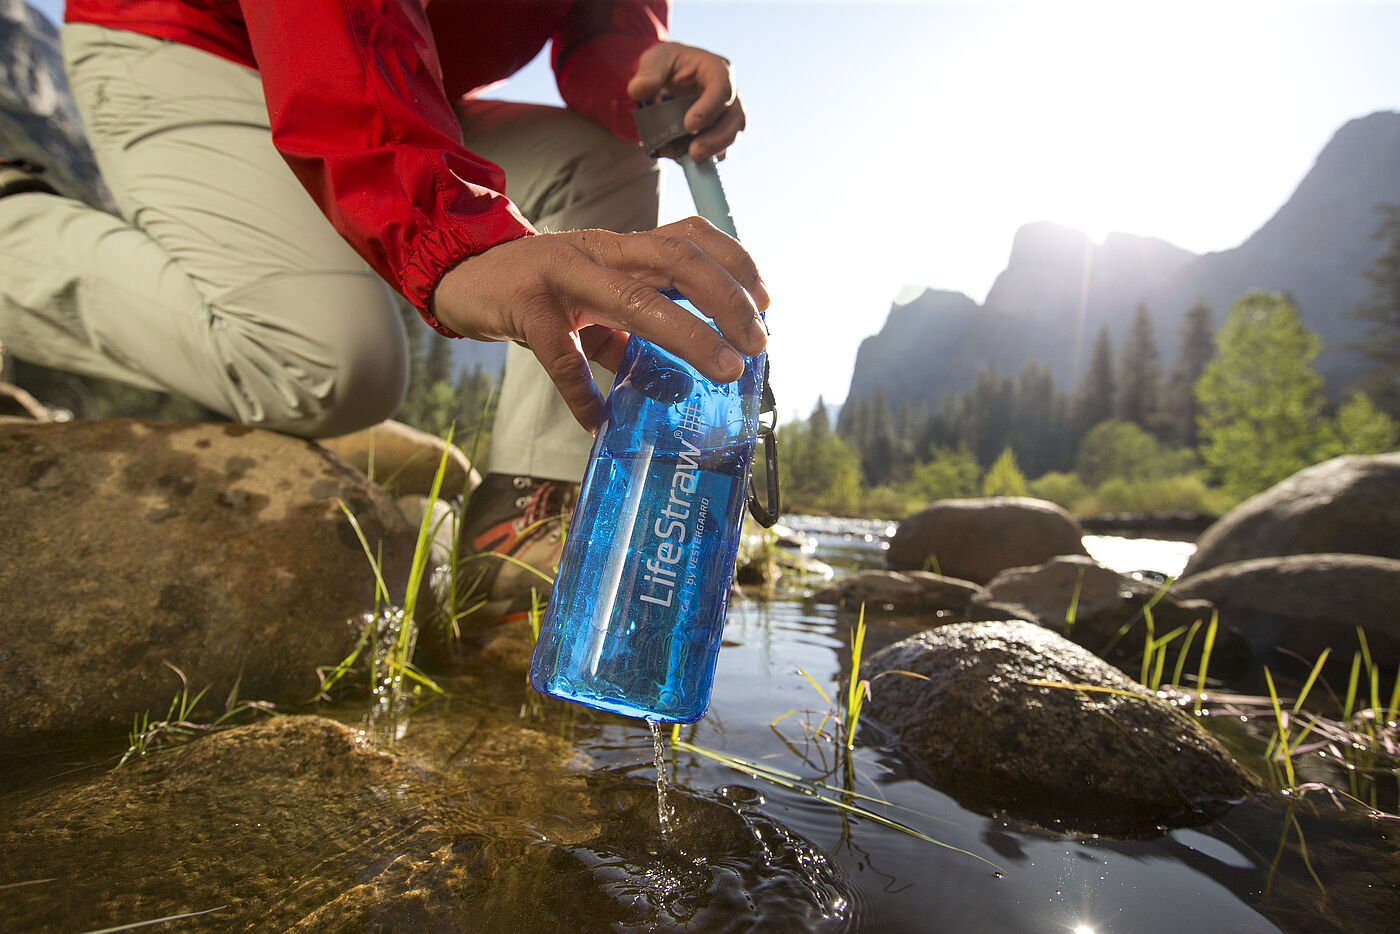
(38, 117)
(1059, 288)
(1316, 248)
(1060, 281)
(917, 356)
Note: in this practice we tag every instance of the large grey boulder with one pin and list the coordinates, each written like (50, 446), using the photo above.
(974, 539)
(1344, 505)
(1117, 760)
(1110, 612)
(129, 547)
(1302, 604)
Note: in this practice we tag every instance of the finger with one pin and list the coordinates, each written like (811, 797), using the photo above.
(715, 78)
(718, 138)
(595, 293)
(562, 357)
(726, 251)
(710, 267)
(603, 345)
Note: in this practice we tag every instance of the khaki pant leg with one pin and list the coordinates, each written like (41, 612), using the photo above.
(221, 280)
(564, 173)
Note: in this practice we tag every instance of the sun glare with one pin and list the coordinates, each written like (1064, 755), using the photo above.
(1086, 93)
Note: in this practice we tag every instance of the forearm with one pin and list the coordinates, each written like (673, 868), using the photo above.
(357, 108)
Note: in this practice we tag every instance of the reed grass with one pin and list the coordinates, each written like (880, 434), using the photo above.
(390, 633)
(179, 723)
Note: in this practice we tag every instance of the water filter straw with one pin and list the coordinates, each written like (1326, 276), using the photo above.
(637, 612)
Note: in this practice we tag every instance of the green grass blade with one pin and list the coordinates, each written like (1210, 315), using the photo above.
(1184, 652)
(1284, 751)
(1205, 658)
(154, 921)
(1349, 707)
(813, 682)
(1072, 611)
(1312, 677)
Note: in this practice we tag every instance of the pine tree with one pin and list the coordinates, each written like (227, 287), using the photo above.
(819, 422)
(1260, 398)
(1382, 311)
(877, 448)
(1193, 354)
(1004, 478)
(1034, 431)
(1139, 374)
(1094, 400)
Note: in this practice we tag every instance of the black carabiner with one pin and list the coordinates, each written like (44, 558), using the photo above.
(766, 516)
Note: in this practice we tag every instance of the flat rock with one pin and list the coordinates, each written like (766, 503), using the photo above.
(974, 539)
(1110, 612)
(919, 591)
(405, 460)
(1344, 505)
(1117, 761)
(221, 550)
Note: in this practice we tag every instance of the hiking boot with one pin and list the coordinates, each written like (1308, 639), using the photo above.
(512, 536)
(20, 175)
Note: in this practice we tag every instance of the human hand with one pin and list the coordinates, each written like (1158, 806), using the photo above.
(574, 296)
(675, 70)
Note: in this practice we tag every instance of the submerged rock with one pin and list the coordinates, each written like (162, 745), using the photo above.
(292, 825)
(1301, 604)
(221, 550)
(1109, 611)
(1116, 761)
(1344, 505)
(974, 539)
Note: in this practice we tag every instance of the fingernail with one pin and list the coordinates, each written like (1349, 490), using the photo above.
(729, 359)
(761, 294)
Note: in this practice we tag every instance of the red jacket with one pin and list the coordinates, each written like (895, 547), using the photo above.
(359, 93)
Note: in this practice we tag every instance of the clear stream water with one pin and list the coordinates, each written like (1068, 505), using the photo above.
(724, 850)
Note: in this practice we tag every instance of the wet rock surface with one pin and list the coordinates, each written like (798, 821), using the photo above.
(1115, 761)
(1347, 504)
(221, 550)
(974, 539)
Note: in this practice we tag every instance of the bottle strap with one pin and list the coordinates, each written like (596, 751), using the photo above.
(767, 515)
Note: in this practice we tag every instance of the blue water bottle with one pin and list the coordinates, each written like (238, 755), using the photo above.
(638, 608)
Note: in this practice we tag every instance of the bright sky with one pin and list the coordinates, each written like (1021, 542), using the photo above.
(896, 144)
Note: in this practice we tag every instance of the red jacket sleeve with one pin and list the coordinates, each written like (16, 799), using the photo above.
(355, 96)
(595, 54)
